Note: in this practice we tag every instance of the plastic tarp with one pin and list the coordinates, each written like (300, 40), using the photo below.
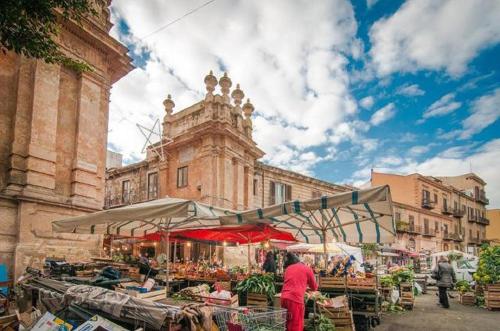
(363, 216)
(143, 218)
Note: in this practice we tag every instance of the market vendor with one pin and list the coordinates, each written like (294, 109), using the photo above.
(297, 278)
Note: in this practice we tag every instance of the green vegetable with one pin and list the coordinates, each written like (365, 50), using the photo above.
(463, 286)
(263, 284)
(403, 276)
(319, 323)
(386, 281)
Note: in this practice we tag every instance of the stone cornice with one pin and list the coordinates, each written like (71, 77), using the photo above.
(265, 167)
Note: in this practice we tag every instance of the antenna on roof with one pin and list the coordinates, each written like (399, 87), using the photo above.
(470, 166)
(154, 139)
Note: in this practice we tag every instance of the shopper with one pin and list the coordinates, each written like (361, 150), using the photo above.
(297, 278)
(269, 265)
(444, 275)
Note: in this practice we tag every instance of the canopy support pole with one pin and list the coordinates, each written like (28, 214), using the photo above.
(167, 278)
(249, 259)
(325, 254)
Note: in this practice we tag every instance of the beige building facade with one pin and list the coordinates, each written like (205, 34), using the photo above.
(493, 230)
(207, 154)
(53, 133)
(438, 213)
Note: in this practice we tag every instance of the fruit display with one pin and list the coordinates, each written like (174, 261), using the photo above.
(488, 271)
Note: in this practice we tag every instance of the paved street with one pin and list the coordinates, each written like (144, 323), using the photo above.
(428, 316)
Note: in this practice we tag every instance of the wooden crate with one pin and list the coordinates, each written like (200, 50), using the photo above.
(151, 296)
(492, 296)
(406, 296)
(341, 317)
(332, 282)
(362, 283)
(257, 299)
(468, 298)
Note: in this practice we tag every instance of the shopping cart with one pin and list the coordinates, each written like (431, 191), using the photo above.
(250, 318)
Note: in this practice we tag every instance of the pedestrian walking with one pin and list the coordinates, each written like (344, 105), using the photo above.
(297, 278)
(445, 277)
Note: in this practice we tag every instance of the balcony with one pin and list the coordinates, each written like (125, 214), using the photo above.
(452, 236)
(429, 232)
(483, 220)
(118, 200)
(472, 218)
(427, 204)
(458, 213)
(475, 240)
(408, 228)
(481, 197)
(446, 210)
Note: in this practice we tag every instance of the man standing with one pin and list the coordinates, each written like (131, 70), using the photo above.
(444, 275)
(297, 278)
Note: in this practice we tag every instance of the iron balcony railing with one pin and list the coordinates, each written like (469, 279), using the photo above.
(408, 228)
(483, 220)
(429, 232)
(446, 210)
(481, 197)
(428, 204)
(458, 213)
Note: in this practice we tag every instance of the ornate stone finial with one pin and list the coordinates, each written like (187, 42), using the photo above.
(210, 82)
(169, 105)
(237, 95)
(248, 109)
(225, 83)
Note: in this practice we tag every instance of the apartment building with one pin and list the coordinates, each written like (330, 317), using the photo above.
(438, 213)
(207, 154)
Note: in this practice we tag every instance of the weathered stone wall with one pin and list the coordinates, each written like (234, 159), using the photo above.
(53, 133)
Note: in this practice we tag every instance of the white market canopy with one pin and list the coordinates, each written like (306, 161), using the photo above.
(363, 216)
(137, 220)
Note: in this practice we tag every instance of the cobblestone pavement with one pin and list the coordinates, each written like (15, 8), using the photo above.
(426, 315)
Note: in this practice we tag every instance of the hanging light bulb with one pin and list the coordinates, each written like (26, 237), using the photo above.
(266, 244)
(188, 244)
(224, 243)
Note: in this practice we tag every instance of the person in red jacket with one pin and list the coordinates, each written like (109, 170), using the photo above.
(297, 278)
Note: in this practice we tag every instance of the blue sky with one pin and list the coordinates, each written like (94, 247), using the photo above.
(339, 87)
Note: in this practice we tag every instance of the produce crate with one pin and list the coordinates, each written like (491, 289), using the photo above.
(362, 283)
(492, 297)
(467, 298)
(407, 298)
(341, 317)
(332, 282)
(151, 296)
(257, 299)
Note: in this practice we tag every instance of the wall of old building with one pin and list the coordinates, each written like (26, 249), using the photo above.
(53, 133)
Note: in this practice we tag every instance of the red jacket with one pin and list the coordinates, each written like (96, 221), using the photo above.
(298, 277)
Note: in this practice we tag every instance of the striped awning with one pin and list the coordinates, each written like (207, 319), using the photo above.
(363, 216)
(138, 220)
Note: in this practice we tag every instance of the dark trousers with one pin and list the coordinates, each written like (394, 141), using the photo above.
(443, 297)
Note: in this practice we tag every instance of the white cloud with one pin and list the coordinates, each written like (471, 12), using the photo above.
(383, 114)
(443, 106)
(484, 112)
(435, 35)
(367, 102)
(298, 82)
(419, 150)
(412, 90)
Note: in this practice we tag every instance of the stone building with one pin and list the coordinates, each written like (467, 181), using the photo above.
(437, 213)
(53, 133)
(207, 153)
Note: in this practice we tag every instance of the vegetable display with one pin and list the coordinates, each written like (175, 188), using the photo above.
(319, 323)
(463, 286)
(386, 281)
(488, 271)
(402, 275)
(263, 284)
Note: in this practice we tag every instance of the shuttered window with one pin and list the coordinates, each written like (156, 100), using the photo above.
(279, 193)
(152, 186)
(125, 191)
(182, 177)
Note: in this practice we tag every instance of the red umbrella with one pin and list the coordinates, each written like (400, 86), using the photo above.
(245, 234)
